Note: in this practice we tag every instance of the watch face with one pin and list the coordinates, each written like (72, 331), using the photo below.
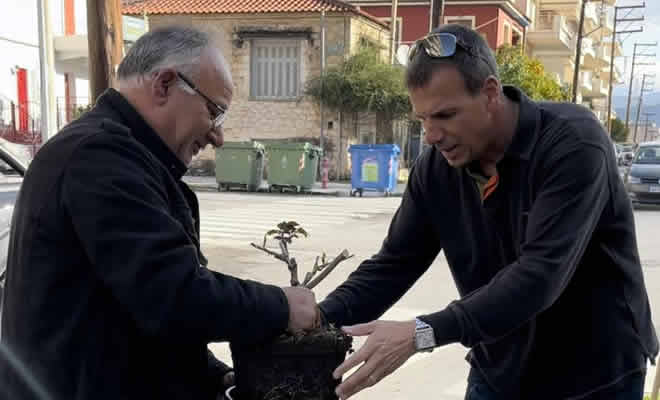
(425, 339)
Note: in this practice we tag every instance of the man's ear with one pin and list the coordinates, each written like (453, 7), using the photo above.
(162, 84)
(492, 89)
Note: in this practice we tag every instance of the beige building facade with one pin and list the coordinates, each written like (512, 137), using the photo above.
(553, 39)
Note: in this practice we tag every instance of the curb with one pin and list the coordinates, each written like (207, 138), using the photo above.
(326, 192)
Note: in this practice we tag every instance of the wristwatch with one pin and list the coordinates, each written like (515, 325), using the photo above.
(424, 336)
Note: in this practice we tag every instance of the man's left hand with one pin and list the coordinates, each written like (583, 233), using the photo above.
(389, 345)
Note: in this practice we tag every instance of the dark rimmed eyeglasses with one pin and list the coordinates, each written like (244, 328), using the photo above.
(442, 45)
(217, 112)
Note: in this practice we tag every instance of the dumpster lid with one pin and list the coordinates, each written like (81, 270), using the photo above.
(392, 148)
(243, 145)
(300, 146)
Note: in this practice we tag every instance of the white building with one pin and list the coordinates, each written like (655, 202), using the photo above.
(19, 66)
(553, 40)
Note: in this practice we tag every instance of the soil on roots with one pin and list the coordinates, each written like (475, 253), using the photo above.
(292, 367)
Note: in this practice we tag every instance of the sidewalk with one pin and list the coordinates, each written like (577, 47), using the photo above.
(343, 189)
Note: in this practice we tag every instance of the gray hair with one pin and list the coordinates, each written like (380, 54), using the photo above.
(175, 47)
(474, 69)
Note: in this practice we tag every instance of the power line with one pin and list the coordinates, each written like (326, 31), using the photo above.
(612, 50)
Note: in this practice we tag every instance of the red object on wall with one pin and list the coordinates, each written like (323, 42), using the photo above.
(69, 18)
(21, 79)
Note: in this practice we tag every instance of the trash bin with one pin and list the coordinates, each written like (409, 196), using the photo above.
(292, 166)
(374, 167)
(239, 164)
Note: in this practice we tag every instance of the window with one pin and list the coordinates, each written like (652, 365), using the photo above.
(516, 36)
(648, 155)
(507, 34)
(275, 69)
(462, 20)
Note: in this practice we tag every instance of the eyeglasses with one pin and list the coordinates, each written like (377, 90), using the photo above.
(217, 112)
(442, 45)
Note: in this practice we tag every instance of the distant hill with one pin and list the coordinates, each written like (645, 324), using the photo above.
(621, 113)
(651, 104)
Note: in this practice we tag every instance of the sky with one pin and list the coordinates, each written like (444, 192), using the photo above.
(651, 34)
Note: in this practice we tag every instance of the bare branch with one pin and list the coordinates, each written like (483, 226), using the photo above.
(293, 269)
(286, 232)
(344, 255)
(285, 250)
(272, 253)
(310, 275)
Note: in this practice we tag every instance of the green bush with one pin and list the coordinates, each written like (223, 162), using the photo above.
(518, 69)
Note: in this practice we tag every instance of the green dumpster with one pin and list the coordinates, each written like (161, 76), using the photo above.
(292, 165)
(239, 164)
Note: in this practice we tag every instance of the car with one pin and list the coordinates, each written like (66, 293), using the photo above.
(626, 154)
(617, 150)
(643, 177)
(13, 163)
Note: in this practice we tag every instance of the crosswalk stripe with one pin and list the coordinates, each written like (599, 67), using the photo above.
(229, 219)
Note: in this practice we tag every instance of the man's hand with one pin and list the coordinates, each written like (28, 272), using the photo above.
(303, 311)
(389, 345)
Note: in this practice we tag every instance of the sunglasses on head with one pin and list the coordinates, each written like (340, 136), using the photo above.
(441, 45)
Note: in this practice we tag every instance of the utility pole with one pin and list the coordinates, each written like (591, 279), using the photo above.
(321, 139)
(646, 127)
(632, 74)
(104, 35)
(612, 51)
(437, 11)
(578, 51)
(46, 71)
(641, 97)
(393, 31)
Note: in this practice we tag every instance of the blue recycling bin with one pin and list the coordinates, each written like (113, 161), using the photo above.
(374, 167)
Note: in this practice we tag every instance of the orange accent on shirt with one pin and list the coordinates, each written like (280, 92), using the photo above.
(490, 186)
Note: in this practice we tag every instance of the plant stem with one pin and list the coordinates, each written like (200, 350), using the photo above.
(344, 255)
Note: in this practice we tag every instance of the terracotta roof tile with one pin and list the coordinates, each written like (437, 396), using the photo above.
(132, 7)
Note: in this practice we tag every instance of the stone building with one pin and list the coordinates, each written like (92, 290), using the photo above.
(274, 47)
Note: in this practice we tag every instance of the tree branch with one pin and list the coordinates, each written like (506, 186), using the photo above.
(272, 253)
(310, 275)
(293, 269)
(327, 268)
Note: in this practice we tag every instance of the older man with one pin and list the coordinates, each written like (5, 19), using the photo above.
(107, 294)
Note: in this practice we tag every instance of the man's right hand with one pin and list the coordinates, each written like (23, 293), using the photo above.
(303, 311)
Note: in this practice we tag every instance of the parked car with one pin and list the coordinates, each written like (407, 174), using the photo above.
(13, 164)
(617, 150)
(626, 154)
(643, 178)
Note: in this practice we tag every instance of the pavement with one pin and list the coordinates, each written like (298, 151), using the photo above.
(339, 189)
(230, 221)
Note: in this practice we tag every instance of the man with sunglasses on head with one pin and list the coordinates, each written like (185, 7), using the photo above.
(107, 293)
(525, 201)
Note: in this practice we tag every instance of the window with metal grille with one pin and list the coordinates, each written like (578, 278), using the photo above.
(275, 69)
